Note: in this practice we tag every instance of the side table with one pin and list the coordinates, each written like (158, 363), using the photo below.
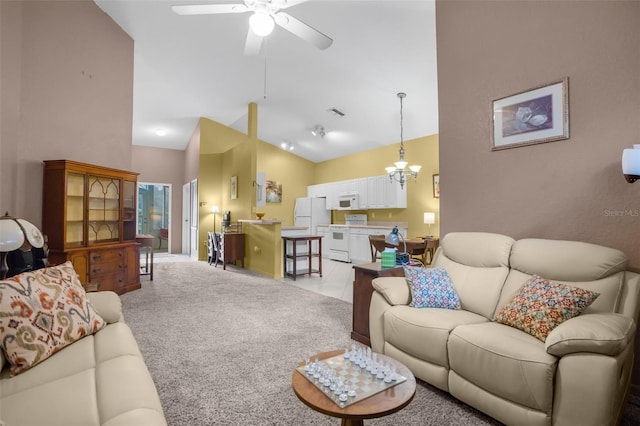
(146, 242)
(381, 404)
(294, 256)
(362, 292)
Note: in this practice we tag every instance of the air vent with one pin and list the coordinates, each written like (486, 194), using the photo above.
(337, 112)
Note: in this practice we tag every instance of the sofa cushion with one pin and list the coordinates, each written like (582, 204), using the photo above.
(431, 288)
(41, 312)
(478, 264)
(423, 333)
(105, 382)
(607, 334)
(505, 362)
(541, 305)
(571, 261)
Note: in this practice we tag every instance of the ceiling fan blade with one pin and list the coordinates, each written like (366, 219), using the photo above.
(208, 9)
(302, 30)
(283, 4)
(253, 45)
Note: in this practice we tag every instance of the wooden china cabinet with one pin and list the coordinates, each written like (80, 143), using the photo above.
(89, 217)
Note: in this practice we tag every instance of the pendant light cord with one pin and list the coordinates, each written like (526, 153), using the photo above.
(401, 95)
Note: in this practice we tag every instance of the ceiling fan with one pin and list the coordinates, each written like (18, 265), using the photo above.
(266, 13)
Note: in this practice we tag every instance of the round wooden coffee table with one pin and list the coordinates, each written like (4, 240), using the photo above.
(379, 405)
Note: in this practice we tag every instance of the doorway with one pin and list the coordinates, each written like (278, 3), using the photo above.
(154, 207)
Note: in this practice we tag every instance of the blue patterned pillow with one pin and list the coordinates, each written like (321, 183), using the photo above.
(431, 288)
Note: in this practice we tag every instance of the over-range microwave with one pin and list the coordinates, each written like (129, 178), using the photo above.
(348, 201)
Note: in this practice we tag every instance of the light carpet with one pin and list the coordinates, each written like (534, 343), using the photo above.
(222, 346)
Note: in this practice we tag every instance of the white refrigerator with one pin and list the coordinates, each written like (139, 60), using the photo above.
(311, 212)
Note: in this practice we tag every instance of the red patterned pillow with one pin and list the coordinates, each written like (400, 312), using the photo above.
(41, 312)
(541, 305)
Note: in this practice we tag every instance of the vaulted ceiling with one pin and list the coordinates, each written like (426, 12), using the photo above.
(187, 67)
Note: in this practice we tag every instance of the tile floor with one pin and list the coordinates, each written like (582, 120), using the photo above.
(336, 280)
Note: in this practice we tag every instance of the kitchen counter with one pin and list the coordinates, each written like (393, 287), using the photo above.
(260, 221)
(295, 228)
(372, 225)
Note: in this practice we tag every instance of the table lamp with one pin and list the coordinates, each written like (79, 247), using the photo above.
(394, 239)
(429, 219)
(14, 234)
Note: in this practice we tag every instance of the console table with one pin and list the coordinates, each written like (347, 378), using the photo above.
(362, 292)
(228, 248)
(294, 255)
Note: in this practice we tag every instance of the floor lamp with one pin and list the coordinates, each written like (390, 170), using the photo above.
(215, 210)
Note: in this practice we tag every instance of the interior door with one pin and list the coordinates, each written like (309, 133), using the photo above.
(193, 253)
(186, 228)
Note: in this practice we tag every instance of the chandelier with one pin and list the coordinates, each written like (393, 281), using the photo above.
(399, 170)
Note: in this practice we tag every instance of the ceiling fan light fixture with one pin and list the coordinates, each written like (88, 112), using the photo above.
(261, 24)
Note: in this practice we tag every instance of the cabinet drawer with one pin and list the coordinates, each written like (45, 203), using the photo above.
(104, 282)
(106, 256)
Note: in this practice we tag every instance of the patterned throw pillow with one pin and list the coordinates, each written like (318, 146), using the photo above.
(541, 305)
(431, 288)
(41, 312)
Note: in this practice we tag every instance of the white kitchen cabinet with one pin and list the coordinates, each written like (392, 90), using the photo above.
(375, 192)
(382, 193)
(323, 231)
(359, 245)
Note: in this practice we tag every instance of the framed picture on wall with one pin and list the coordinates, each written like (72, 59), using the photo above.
(436, 186)
(536, 116)
(234, 187)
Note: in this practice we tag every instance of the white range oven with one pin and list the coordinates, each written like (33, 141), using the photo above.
(339, 237)
(339, 243)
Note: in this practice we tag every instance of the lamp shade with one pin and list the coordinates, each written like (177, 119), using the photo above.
(631, 163)
(429, 218)
(215, 209)
(393, 237)
(15, 232)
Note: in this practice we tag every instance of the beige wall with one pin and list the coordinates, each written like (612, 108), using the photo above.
(564, 190)
(570, 189)
(163, 166)
(67, 93)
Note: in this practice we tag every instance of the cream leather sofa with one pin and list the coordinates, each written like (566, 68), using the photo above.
(99, 380)
(579, 376)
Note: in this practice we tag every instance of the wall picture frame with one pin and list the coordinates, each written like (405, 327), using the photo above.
(532, 117)
(436, 185)
(234, 187)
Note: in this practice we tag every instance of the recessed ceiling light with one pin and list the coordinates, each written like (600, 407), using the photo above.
(161, 132)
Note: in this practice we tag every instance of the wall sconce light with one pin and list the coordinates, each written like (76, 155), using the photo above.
(202, 203)
(429, 219)
(631, 163)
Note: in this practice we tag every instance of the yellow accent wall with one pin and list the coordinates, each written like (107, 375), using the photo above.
(293, 172)
(422, 151)
(226, 152)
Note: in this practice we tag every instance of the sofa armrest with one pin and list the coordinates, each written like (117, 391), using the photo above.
(107, 304)
(602, 333)
(395, 290)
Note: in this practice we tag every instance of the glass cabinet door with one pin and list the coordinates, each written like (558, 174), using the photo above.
(74, 232)
(129, 210)
(104, 209)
